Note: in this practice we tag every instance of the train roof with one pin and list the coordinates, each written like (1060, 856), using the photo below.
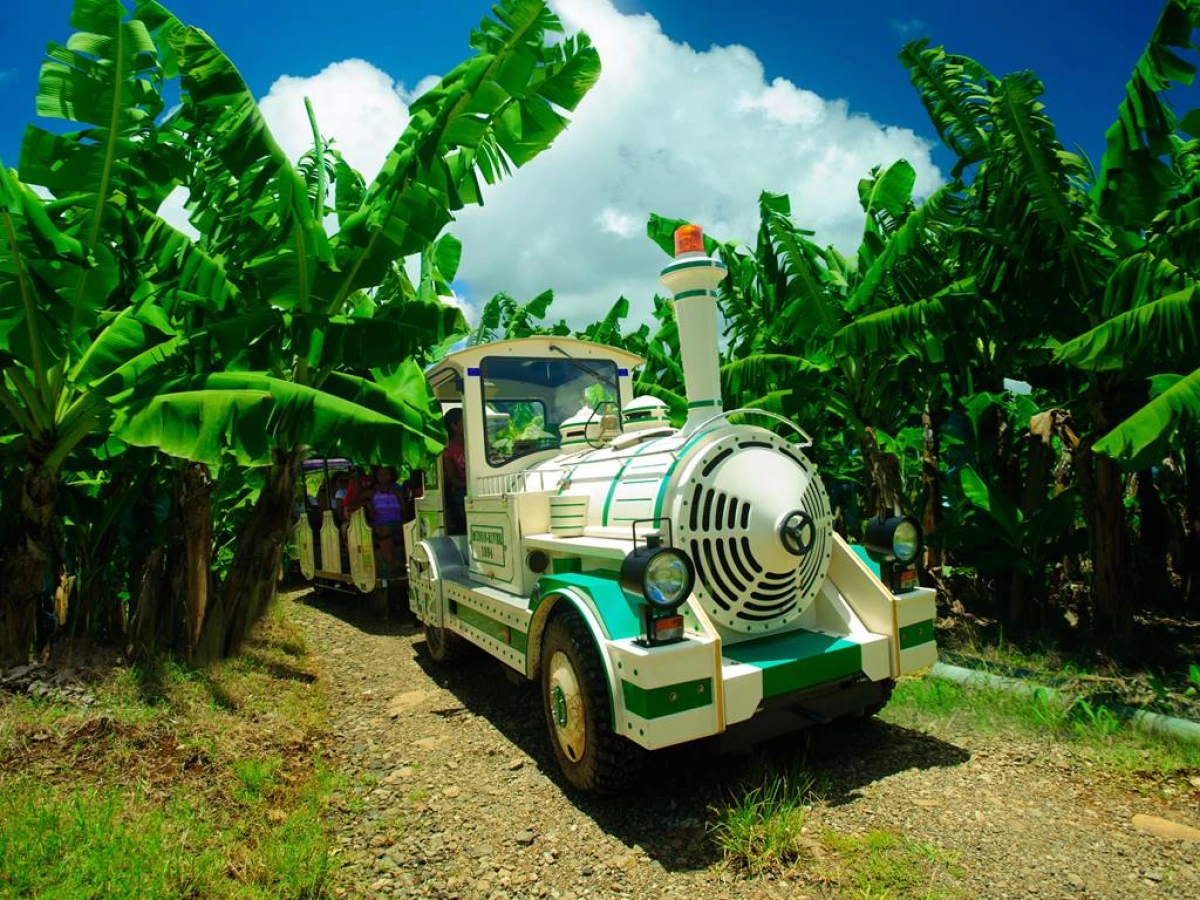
(443, 375)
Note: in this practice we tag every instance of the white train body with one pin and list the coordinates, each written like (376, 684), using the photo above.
(783, 614)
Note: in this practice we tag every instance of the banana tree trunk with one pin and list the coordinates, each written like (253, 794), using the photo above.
(1190, 565)
(1153, 541)
(26, 567)
(1113, 606)
(196, 502)
(931, 481)
(250, 585)
(146, 620)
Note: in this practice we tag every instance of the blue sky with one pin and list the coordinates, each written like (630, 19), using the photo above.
(698, 110)
(1083, 50)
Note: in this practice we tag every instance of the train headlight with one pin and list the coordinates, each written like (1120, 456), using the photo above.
(663, 575)
(895, 539)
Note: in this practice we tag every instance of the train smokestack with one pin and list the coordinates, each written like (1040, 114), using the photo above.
(692, 278)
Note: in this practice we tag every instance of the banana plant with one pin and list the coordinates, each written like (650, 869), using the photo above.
(257, 212)
(77, 324)
(239, 342)
(1055, 254)
(504, 318)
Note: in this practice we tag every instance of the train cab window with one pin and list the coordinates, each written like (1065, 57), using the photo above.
(527, 400)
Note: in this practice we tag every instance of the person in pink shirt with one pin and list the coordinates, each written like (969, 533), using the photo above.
(454, 474)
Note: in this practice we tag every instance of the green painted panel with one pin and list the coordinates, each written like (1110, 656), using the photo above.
(561, 564)
(666, 479)
(916, 633)
(862, 554)
(798, 659)
(692, 264)
(505, 634)
(620, 613)
(654, 703)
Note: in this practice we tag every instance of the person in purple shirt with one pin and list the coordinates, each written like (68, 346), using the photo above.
(386, 503)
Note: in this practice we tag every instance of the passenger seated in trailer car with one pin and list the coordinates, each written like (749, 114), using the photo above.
(454, 473)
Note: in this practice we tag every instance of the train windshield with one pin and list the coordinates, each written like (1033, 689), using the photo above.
(527, 400)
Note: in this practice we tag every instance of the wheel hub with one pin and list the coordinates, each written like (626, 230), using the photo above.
(559, 700)
(566, 701)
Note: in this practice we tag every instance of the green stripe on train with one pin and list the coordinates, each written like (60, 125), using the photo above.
(915, 634)
(493, 628)
(654, 703)
(798, 660)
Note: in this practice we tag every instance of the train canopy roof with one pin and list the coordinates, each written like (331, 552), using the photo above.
(445, 377)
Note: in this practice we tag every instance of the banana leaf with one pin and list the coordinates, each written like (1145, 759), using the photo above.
(1167, 328)
(1141, 439)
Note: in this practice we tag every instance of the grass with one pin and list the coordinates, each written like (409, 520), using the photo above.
(881, 864)
(771, 823)
(764, 828)
(174, 783)
(759, 828)
(1172, 688)
(1091, 730)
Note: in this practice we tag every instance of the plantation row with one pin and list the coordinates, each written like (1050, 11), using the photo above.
(159, 393)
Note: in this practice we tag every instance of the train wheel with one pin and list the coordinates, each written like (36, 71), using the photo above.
(377, 602)
(444, 646)
(575, 697)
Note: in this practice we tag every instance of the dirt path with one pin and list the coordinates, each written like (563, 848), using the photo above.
(452, 793)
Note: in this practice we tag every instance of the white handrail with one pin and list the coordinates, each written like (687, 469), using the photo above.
(761, 412)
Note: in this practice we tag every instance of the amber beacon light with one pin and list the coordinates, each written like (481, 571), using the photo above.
(688, 239)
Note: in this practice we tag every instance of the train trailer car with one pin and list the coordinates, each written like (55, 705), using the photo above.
(336, 549)
(661, 584)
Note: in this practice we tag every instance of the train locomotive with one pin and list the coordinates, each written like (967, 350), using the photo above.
(661, 584)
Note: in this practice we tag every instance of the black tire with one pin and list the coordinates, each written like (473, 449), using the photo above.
(443, 646)
(377, 602)
(602, 762)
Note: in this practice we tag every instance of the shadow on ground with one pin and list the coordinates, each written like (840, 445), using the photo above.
(669, 811)
(353, 608)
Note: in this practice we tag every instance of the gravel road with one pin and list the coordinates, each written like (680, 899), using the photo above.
(451, 792)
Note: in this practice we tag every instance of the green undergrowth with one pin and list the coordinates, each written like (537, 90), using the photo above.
(174, 783)
(759, 828)
(1171, 688)
(1093, 731)
(769, 825)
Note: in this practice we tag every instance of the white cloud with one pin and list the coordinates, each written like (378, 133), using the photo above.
(681, 132)
(173, 212)
(355, 103)
(622, 224)
(668, 129)
(786, 103)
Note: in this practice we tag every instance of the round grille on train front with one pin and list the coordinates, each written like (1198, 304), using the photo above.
(738, 499)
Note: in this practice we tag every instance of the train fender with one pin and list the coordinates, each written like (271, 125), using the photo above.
(431, 561)
(576, 598)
